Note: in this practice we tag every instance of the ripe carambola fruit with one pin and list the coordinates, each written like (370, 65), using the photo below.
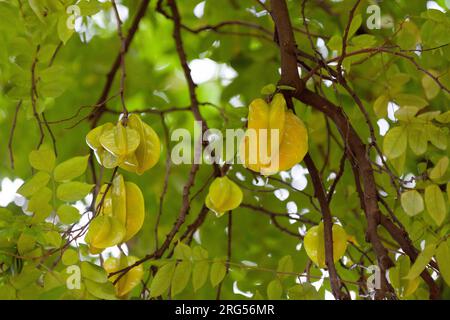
(120, 141)
(104, 232)
(135, 210)
(149, 150)
(130, 280)
(120, 218)
(224, 195)
(314, 242)
(105, 158)
(256, 150)
(135, 147)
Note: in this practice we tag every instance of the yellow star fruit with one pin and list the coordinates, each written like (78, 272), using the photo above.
(273, 124)
(134, 147)
(224, 195)
(135, 210)
(128, 281)
(121, 215)
(104, 231)
(315, 244)
(149, 150)
(120, 141)
(105, 158)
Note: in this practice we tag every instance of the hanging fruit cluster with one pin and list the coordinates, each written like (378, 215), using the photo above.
(120, 211)
(133, 146)
(265, 120)
(121, 215)
(130, 279)
(315, 244)
(224, 195)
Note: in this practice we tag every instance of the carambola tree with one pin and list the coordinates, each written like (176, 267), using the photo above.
(229, 149)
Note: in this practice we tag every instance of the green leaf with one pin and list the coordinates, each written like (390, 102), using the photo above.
(408, 35)
(427, 117)
(42, 159)
(354, 26)
(410, 100)
(53, 279)
(304, 291)
(105, 291)
(181, 277)
(412, 202)
(437, 136)
(53, 239)
(53, 89)
(335, 43)
(38, 7)
(199, 253)
(29, 292)
(182, 251)
(69, 257)
(443, 260)
(440, 169)
(394, 143)
(93, 272)
(285, 265)
(162, 280)
(28, 276)
(7, 292)
(200, 274)
(36, 183)
(398, 80)
(421, 262)
(41, 197)
(417, 139)
(64, 32)
(71, 169)
(435, 15)
(25, 243)
(89, 8)
(435, 203)
(46, 52)
(399, 272)
(73, 191)
(274, 290)
(364, 41)
(218, 272)
(404, 287)
(268, 89)
(406, 114)
(68, 214)
(443, 118)
(258, 296)
(53, 294)
(6, 215)
(286, 88)
(380, 106)
(39, 205)
(430, 86)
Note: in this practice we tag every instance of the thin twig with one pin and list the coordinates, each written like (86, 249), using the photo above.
(34, 95)
(227, 264)
(11, 134)
(328, 227)
(166, 178)
(97, 113)
(123, 49)
(345, 38)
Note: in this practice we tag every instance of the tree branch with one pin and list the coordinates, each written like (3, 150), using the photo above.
(357, 153)
(97, 113)
(328, 228)
(11, 135)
